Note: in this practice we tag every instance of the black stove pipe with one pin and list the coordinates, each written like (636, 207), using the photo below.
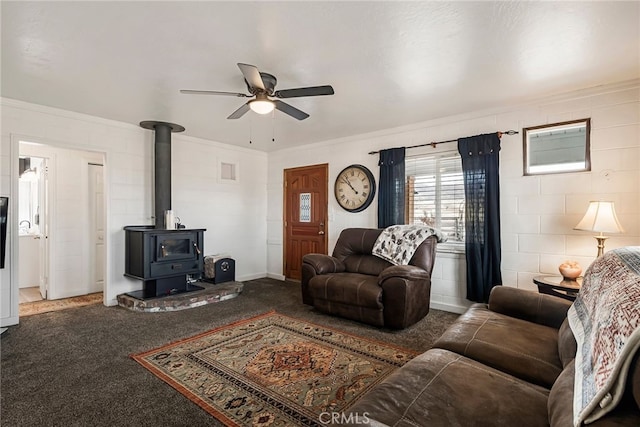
(162, 162)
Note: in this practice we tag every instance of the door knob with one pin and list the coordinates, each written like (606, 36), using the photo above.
(320, 232)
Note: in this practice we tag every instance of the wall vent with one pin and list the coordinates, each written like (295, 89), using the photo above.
(228, 171)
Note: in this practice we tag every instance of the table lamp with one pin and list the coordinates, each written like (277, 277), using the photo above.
(600, 217)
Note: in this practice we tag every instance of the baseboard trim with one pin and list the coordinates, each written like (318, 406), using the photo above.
(250, 277)
(452, 308)
(276, 276)
(8, 321)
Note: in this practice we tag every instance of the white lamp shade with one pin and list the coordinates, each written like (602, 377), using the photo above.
(600, 217)
(261, 106)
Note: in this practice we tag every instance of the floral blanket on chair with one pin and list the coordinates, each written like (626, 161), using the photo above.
(398, 243)
(605, 319)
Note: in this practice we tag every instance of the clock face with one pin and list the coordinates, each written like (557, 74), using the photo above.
(355, 188)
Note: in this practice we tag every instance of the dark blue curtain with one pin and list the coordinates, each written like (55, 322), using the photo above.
(391, 187)
(480, 164)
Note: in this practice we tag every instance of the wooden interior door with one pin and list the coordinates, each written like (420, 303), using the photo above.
(43, 223)
(96, 228)
(305, 215)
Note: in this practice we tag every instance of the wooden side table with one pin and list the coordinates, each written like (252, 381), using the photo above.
(558, 286)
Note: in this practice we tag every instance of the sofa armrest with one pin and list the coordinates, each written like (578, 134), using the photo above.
(408, 272)
(528, 305)
(313, 265)
(323, 264)
(406, 291)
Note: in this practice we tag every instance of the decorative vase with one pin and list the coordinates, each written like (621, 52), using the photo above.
(570, 270)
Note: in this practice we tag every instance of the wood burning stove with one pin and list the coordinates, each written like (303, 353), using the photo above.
(163, 259)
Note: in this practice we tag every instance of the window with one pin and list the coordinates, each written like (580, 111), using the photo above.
(557, 148)
(435, 193)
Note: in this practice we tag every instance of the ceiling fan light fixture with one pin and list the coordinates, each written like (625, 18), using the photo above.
(262, 86)
(261, 106)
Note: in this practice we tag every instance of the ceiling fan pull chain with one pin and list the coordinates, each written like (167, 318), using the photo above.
(273, 126)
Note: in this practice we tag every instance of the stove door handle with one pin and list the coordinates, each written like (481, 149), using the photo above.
(195, 245)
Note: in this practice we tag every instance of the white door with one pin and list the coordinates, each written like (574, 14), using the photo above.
(43, 223)
(96, 228)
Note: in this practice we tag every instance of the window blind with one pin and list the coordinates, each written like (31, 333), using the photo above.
(436, 193)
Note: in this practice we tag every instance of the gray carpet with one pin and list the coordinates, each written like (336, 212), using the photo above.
(72, 367)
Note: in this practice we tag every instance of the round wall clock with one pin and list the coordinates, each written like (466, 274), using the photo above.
(354, 188)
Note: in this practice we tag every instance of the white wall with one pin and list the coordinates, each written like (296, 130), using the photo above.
(538, 212)
(234, 213)
(226, 210)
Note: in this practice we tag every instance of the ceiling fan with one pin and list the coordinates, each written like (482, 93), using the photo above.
(262, 87)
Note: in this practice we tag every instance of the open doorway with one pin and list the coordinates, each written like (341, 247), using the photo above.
(32, 228)
(61, 223)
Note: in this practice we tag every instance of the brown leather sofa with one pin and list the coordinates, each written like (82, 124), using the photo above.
(508, 363)
(357, 285)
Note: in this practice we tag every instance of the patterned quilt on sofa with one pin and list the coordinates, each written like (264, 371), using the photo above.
(605, 319)
(398, 243)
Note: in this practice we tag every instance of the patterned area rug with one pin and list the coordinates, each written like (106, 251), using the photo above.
(273, 370)
(46, 306)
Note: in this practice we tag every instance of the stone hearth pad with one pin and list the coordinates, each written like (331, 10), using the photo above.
(210, 293)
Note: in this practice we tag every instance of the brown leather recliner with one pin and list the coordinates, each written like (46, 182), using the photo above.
(357, 285)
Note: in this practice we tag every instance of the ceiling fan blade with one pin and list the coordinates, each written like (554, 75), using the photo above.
(213, 92)
(252, 75)
(239, 112)
(290, 110)
(304, 91)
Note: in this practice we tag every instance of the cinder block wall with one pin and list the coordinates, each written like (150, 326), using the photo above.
(538, 212)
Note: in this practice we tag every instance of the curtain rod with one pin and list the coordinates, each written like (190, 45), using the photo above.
(433, 144)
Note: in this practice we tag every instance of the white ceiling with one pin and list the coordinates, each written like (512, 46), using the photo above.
(390, 63)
